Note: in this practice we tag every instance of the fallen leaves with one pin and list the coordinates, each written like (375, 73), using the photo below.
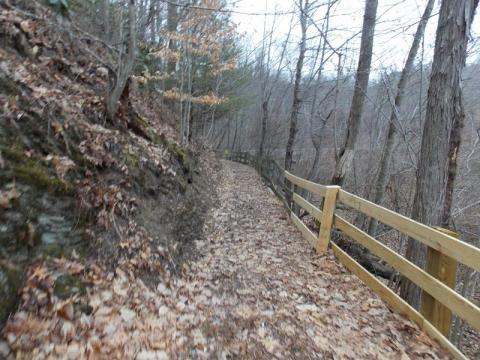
(152, 355)
(65, 309)
(62, 164)
(307, 307)
(60, 92)
(27, 26)
(127, 314)
(246, 299)
(7, 197)
(37, 295)
(95, 147)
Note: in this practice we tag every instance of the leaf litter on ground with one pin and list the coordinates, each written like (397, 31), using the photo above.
(256, 290)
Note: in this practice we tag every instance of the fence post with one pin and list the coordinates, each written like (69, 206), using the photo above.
(443, 268)
(295, 207)
(327, 218)
(289, 189)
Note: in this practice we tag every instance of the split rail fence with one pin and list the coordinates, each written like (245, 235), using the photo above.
(444, 250)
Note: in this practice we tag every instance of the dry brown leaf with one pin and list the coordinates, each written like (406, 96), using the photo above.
(65, 310)
(6, 198)
(27, 26)
(62, 164)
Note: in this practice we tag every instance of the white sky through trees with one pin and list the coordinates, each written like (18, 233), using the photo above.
(396, 24)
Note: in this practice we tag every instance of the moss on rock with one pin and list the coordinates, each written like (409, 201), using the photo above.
(37, 175)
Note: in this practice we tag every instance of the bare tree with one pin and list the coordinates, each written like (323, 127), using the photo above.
(386, 154)
(267, 90)
(172, 23)
(126, 60)
(264, 75)
(297, 101)
(444, 113)
(344, 159)
(316, 130)
(105, 14)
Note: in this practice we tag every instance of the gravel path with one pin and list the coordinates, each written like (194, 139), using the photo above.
(273, 296)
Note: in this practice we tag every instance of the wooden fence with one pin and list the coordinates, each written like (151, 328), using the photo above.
(444, 251)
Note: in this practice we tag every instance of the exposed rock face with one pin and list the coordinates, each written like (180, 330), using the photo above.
(37, 223)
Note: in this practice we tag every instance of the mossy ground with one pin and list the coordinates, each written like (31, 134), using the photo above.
(31, 171)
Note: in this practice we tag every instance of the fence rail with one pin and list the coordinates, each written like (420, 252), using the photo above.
(439, 299)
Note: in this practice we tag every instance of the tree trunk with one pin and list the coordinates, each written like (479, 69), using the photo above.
(345, 158)
(264, 80)
(316, 137)
(234, 143)
(125, 65)
(316, 133)
(297, 101)
(153, 14)
(444, 113)
(172, 22)
(454, 147)
(386, 154)
(105, 11)
(268, 89)
(264, 127)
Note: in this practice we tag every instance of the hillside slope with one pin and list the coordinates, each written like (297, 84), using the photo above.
(80, 196)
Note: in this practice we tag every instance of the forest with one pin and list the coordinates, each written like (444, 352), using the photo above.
(124, 231)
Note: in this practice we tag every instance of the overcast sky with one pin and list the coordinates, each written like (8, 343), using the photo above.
(393, 33)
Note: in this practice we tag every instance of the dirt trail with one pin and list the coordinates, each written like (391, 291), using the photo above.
(267, 293)
(256, 290)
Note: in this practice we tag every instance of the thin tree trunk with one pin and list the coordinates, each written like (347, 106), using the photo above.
(317, 142)
(105, 11)
(386, 154)
(125, 65)
(172, 23)
(264, 79)
(263, 133)
(222, 137)
(345, 158)
(267, 90)
(454, 147)
(153, 13)
(335, 104)
(316, 134)
(235, 134)
(444, 111)
(297, 101)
